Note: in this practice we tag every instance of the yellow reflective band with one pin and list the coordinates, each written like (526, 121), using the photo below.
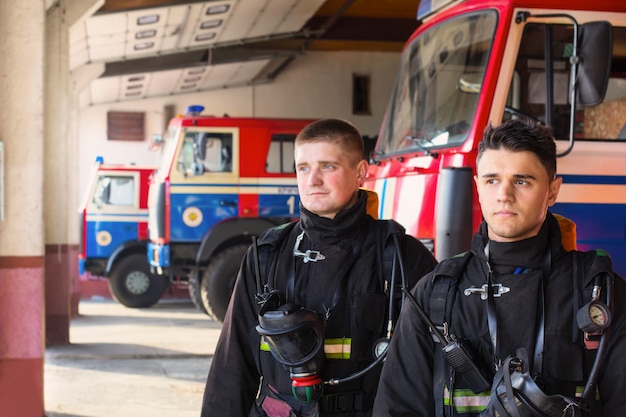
(338, 348)
(580, 389)
(465, 401)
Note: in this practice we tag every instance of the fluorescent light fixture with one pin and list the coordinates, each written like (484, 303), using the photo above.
(222, 8)
(145, 34)
(143, 45)
(205, 37)
(211, 24)
(148, 20)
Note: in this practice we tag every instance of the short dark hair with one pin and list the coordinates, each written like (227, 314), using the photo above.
(518, 135)
(334, 131)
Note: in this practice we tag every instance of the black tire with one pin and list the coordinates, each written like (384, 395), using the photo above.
(195, 293)
(131, 283)
(219, 279)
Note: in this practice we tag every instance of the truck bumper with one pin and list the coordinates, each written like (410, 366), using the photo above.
(159, 255)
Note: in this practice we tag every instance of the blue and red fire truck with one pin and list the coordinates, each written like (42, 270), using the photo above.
(474, 62)
(221, 181)
(114, 234)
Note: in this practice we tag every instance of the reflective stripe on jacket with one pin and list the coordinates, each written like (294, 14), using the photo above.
(334, 348)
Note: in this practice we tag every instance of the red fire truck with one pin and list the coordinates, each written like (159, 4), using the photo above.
(221, 181)
(474, 62)
(114, 234)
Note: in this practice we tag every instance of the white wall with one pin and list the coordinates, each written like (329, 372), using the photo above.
(315, 85)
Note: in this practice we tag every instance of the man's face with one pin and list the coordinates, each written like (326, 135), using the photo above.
(514, 193)
(327, 182)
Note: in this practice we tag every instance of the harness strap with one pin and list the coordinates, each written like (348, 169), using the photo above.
(276, 405)
(439, 383)
(345, 402)
(438, 303)
(445, 277)
(438, 300)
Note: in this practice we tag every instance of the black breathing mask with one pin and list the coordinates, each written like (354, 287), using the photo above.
(515, 393)
(295, 336)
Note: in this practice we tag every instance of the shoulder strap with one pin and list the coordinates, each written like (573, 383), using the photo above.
(600, 263)
(445, 279)
(386, 247)
(268, 245)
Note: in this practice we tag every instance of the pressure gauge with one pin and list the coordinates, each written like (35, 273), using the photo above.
(593, 317)
(381, 346)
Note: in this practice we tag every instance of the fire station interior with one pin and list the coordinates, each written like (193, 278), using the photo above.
(71, 55)
(72, 58)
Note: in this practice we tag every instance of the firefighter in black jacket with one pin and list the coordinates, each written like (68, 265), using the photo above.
(300, 333)
(518, 302)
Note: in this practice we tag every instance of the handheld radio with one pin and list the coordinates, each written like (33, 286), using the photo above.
(458, 354)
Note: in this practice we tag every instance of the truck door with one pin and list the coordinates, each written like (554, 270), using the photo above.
(204, 184)
(113, 212)
(593, 193)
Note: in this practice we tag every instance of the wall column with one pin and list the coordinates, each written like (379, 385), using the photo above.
(61, 194)
(21, 229)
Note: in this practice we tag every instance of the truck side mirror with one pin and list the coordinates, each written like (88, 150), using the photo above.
(200, 142)
(596, 51)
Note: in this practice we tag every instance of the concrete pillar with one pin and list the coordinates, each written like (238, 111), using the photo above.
(21, 227)
(58, 251)
(61, 170)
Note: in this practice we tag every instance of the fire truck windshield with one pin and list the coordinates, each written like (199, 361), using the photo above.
(438, 85)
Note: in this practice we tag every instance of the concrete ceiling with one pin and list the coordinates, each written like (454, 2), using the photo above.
(153, 48)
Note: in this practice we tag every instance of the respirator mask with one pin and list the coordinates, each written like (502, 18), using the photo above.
(515, 393)
(295, 336)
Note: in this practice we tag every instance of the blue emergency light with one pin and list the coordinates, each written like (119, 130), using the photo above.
(195, 110)
(428, 7)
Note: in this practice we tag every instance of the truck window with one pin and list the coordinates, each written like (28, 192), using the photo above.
(114, 191)
(606, 120)
(437, 88)
(280, 159)
(204, 151)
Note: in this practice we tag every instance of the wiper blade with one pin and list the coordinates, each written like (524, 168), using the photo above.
(417, 142)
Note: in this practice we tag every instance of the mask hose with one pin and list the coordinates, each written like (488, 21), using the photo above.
(593, 374)
(397, 257)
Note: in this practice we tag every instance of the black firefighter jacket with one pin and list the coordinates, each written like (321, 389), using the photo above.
(348, 282)
(406, 386)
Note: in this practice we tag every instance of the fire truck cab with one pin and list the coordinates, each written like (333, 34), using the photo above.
(221, 181)
(474, 62)
(114, 233)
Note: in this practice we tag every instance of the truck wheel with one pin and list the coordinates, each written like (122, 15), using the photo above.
(131, 283)
(219, 279)
(195, 292)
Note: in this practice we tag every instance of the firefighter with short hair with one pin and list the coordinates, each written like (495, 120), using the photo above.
(310, 313)
(526, 328)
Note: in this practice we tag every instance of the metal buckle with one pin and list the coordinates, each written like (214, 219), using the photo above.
(308, 255)
(497, 290)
